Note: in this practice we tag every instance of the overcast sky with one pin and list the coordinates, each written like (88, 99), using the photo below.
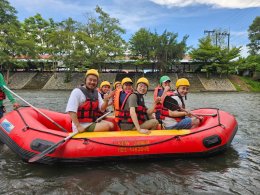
(185, 17)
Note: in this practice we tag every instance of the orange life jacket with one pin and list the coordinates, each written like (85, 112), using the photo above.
(116, 103)
(89, 111)
(2, 95)
(124, 115)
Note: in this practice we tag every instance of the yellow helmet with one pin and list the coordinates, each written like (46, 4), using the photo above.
(93, 72)
(117, 82)
(126, 80)
(143, 80)
(104, 83)
(181, 82)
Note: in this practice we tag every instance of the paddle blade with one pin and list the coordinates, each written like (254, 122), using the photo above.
(171, 103)
(45, 152)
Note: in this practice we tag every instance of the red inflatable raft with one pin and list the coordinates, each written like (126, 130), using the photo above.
(28, 133)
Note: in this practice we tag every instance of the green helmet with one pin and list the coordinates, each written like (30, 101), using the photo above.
(164, 79)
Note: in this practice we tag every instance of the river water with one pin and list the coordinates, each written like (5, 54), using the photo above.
(237, 171)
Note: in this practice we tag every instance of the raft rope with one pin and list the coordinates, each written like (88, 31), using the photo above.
(86, 140)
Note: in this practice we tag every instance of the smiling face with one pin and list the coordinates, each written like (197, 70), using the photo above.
(118, 86)
(166, 83)
(142, 88)
(183, 90)
(128, 87)
(91, 81)
(105, 89)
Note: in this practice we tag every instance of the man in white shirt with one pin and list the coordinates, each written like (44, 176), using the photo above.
(85, 105)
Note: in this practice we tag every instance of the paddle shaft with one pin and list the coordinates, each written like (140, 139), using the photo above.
(53, 147)
(62, 128)
(207, 115)
(190, 113)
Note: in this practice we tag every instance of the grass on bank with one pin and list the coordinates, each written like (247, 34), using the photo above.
(254, 85)
(238, 87)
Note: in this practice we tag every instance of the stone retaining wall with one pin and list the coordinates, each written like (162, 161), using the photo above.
(19, 79)
(51, 81)
(215, 83)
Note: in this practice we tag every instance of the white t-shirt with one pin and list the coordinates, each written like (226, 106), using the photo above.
(168, 122)
(76, 99)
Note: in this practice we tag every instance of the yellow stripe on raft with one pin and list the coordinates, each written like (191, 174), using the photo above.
(131, 133)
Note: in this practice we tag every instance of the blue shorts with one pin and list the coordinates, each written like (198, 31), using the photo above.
(185, 123)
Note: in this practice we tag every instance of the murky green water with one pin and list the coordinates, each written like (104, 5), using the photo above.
(236, 171)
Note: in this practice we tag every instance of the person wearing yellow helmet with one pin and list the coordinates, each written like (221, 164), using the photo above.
(127, 85)
(133, 114)
(104, 88)
(117, 85)
(120, 95)
(85, 105)
(181, 119)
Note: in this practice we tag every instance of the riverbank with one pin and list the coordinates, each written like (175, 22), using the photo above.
(199, 82)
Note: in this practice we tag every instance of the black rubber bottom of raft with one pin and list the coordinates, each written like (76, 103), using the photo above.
(26, 155)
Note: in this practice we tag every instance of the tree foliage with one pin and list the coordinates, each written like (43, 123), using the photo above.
(162, 49)
(254, 36)
(213, 58)
(9, 34)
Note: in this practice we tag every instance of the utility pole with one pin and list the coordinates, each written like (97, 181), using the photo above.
(211, 32)
(224, 34)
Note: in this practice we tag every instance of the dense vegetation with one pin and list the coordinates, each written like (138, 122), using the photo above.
(99, 40)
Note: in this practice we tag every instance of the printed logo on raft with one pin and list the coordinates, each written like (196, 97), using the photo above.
(7, 126)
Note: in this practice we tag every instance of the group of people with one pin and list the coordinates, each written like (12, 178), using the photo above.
(88, 102)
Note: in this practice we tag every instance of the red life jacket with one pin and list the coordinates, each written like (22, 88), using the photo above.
(2, 95)
(89, 111)
(124, 115)
(160, 111)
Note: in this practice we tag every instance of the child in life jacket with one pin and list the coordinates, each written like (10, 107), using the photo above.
(180, 119)
(133, 114)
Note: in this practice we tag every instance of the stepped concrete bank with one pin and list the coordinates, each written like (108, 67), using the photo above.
(51, 81)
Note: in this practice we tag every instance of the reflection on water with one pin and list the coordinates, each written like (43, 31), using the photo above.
(234, 172)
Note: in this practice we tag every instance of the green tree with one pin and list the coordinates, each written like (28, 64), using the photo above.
(213, 58)
(102, 35)
(164, 50)
(167, 49)
(69, 29)
(141, 44)
(254, 36)
(9, 35)
(224, 59)
(37, 31)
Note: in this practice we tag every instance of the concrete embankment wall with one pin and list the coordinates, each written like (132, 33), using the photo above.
(51, 81)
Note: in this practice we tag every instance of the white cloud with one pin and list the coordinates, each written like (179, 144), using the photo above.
(214, 3)
(239, 33)
(244, 51)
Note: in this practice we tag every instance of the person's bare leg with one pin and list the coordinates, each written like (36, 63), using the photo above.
(150, 124)
(104, 126)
